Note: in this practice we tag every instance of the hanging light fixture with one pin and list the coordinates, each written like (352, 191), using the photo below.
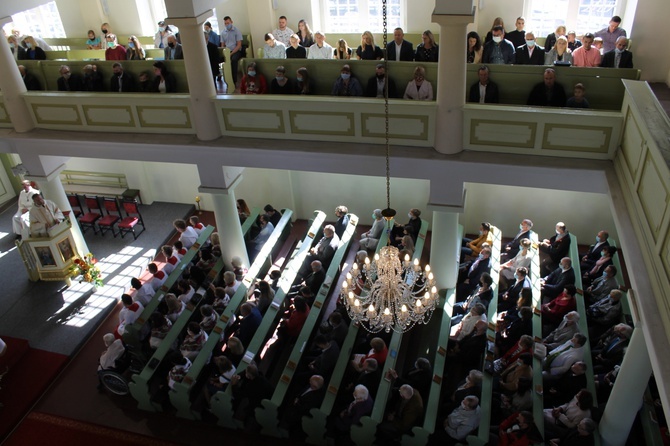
(387, 293)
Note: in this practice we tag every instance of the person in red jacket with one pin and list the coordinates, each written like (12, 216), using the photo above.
(293, 325)
(517, 430)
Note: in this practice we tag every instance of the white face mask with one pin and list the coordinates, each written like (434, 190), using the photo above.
(497, 39)
(530, 43)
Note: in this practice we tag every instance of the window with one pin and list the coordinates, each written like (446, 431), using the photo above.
(354, 16)
(582, 16)
(158, 10)
(43, 21)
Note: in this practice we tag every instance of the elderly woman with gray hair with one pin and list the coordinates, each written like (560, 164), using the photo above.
(370, 239)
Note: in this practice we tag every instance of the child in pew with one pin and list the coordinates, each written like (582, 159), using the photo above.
(578, 100)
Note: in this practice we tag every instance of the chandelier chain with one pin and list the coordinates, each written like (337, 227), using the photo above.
(386, 104)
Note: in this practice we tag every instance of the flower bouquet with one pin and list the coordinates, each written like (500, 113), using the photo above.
(87, 270)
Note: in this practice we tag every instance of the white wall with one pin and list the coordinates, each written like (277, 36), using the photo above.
(584, 214)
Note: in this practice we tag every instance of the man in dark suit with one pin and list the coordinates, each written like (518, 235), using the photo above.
(399, 48)
(376, 84)
(315, 279)
(609, 350)
(308, 398)
(469, 276)
(324, 363)
(530, 53)
(174, 50)
(68, 81)
(499, 50)
(593, 254)
(619, 57)
(121, 81)
(553, 284)
(548, 93)
(512, 248)
(323, 251)
(508, 299)
(30, 81)
(485, 86)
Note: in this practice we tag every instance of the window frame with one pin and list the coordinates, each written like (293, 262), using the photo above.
(364, 14)
(571, 19)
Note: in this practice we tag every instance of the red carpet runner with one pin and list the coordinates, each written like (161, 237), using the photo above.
(42, 428)
(30, 373)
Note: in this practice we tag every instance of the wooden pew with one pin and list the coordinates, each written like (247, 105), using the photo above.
(181, 396)
(132, 333)
(315, 424)
(325, 72)
(485, 401)
(140, 385)
(364, 433)
(222, 405)
(581, 308)
(268, 415)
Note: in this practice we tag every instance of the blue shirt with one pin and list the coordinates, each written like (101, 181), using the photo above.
(230, 38)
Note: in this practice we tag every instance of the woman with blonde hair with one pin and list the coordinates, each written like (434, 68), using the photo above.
(427, 51)
(559, 53)
(33, 50)
(135, 50)
(419, 88)
(498, 21)
(368, 50)
(342, 51)
(552, 38)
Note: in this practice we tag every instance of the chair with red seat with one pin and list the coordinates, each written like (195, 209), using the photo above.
(75, 204)
(94, 213)
(113, 216)
(134, 218)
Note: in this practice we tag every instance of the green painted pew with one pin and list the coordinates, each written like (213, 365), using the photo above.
(315, 426)
(181, 396)
(268, 415)
(482, 436)
(364, 433)
(222, 404)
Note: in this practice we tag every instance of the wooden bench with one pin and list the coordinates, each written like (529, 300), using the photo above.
(604, 88)
(485, 401)
(132, 332)
(364, 433)
(98, 183)
(268, 415)
(325, 72)
(139, 386)
(314, 425)
(181, 397)
(222, 402)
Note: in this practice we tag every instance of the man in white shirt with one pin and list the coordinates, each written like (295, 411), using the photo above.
(560, 359)
(143, 292)
(22, 217)
(320, 50)
(283, 33)
(43, 215)
(188, 234)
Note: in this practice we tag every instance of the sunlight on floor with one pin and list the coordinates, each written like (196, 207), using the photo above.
(81, 303)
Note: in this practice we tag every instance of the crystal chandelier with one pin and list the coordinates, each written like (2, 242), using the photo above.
(387, 294)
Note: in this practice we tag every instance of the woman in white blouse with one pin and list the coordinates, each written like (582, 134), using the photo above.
(419, 88)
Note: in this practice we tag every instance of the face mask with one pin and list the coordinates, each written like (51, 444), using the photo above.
(481, 232)
(558, 232)
(530, 43)
(229, 26)
(516, 276)
(110, 44)
(604, 274)
(299, 79)
(251, 73)
(618, 51)
(161, 29)
(602, 253)
(374, 217)
(29, 45)
(520, 227)
(171, 45)
(564, 268)
(11, 45)
(279, 78)
(597, 239)
(208, 31)
(497, 39)
(131, 45)
(480, 256)
(345, 76)
(104, 31)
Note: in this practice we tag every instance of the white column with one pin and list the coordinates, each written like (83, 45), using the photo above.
(451, 81)
(444, 246)
(52, 189)
(199, 75)
(228, 224)
(13, 88)
(626, 397)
